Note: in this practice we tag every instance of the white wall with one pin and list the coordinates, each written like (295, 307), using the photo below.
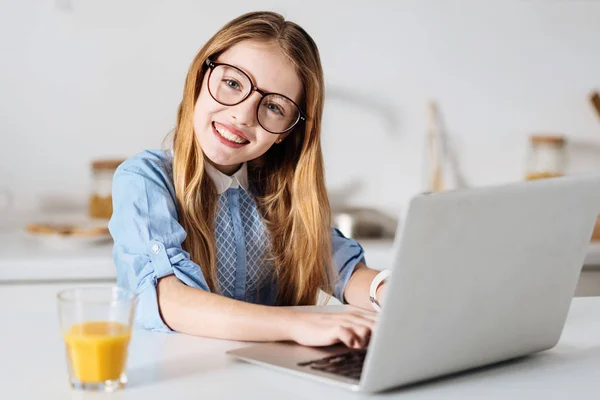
(82, 79)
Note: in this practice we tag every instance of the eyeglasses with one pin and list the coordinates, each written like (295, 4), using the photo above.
(229, 86)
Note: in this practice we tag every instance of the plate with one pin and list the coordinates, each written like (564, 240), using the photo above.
(76, 232)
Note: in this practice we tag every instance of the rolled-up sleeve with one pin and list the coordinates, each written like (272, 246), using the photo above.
(347, 253)
(147, 238)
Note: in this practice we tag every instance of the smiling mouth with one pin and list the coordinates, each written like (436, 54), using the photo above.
(228, 135)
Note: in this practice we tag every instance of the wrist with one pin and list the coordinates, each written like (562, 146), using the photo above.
(287, 323)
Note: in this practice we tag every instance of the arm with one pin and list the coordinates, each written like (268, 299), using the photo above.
(206, 314)
(202, 313)
(354, 277)
(357, 289)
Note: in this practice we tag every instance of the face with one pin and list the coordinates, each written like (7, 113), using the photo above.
(231, 135)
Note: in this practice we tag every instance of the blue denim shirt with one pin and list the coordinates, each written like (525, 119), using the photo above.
(148, 238)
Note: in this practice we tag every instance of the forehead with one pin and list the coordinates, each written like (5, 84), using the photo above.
(265, 64)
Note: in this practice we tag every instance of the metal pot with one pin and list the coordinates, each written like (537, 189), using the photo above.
(364, 223)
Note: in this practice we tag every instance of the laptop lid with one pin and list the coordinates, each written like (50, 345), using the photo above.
(480, 276)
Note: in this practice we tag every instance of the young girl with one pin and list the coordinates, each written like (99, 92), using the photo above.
(235, 219)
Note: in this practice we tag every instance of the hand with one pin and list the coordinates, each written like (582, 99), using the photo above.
(324, 329)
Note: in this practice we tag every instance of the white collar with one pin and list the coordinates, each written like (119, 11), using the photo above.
(224, 182)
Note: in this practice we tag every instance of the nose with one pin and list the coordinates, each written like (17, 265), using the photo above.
(245, 112)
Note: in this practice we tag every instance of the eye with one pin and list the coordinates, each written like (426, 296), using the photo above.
(274, 108)
(232, 83)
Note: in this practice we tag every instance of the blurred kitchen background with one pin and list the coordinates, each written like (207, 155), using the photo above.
(90, 80)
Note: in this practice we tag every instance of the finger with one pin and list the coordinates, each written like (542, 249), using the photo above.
(348, 337)
(362, 334)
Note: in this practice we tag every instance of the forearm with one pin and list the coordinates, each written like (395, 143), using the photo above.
(193, 311)
(357, 288)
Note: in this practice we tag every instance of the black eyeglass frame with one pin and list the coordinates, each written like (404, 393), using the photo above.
(301, 115)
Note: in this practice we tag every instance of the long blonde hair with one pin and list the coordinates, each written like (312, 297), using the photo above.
(288, 178)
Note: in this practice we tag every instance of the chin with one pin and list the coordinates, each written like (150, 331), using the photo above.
(217, 156)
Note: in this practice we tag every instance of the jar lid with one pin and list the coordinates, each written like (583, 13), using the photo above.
(106, 164)
(558, 140)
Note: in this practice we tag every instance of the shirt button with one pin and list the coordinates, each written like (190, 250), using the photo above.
(155, 249)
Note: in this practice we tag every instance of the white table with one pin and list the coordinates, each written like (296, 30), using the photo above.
(177, 366)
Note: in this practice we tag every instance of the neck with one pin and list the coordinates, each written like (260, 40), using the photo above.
(226, 169)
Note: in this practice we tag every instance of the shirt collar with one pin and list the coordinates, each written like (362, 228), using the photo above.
(224, 182)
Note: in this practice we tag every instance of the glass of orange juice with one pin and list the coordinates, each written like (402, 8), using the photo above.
(96, 325)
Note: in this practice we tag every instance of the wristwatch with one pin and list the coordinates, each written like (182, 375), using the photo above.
(375, 283)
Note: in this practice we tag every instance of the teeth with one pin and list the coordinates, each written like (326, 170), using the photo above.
(228, 135)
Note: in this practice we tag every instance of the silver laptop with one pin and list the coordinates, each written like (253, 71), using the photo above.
(479, 276)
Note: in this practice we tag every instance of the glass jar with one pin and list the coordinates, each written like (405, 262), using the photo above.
(100, 202)
(546, 157)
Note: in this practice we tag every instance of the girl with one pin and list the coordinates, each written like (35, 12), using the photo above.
(234, 218)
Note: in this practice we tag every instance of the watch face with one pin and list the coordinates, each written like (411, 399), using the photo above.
(375, 303)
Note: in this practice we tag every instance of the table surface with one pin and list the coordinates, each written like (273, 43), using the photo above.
(177, 366)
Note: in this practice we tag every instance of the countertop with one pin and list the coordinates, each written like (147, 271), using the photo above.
(177, 366)
(28, 258)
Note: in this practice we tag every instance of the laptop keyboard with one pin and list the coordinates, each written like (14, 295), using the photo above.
(346, 364)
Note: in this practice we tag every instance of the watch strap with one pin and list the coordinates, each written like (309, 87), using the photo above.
(375, 283)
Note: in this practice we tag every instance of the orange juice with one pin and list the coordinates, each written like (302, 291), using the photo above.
(97, 350)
